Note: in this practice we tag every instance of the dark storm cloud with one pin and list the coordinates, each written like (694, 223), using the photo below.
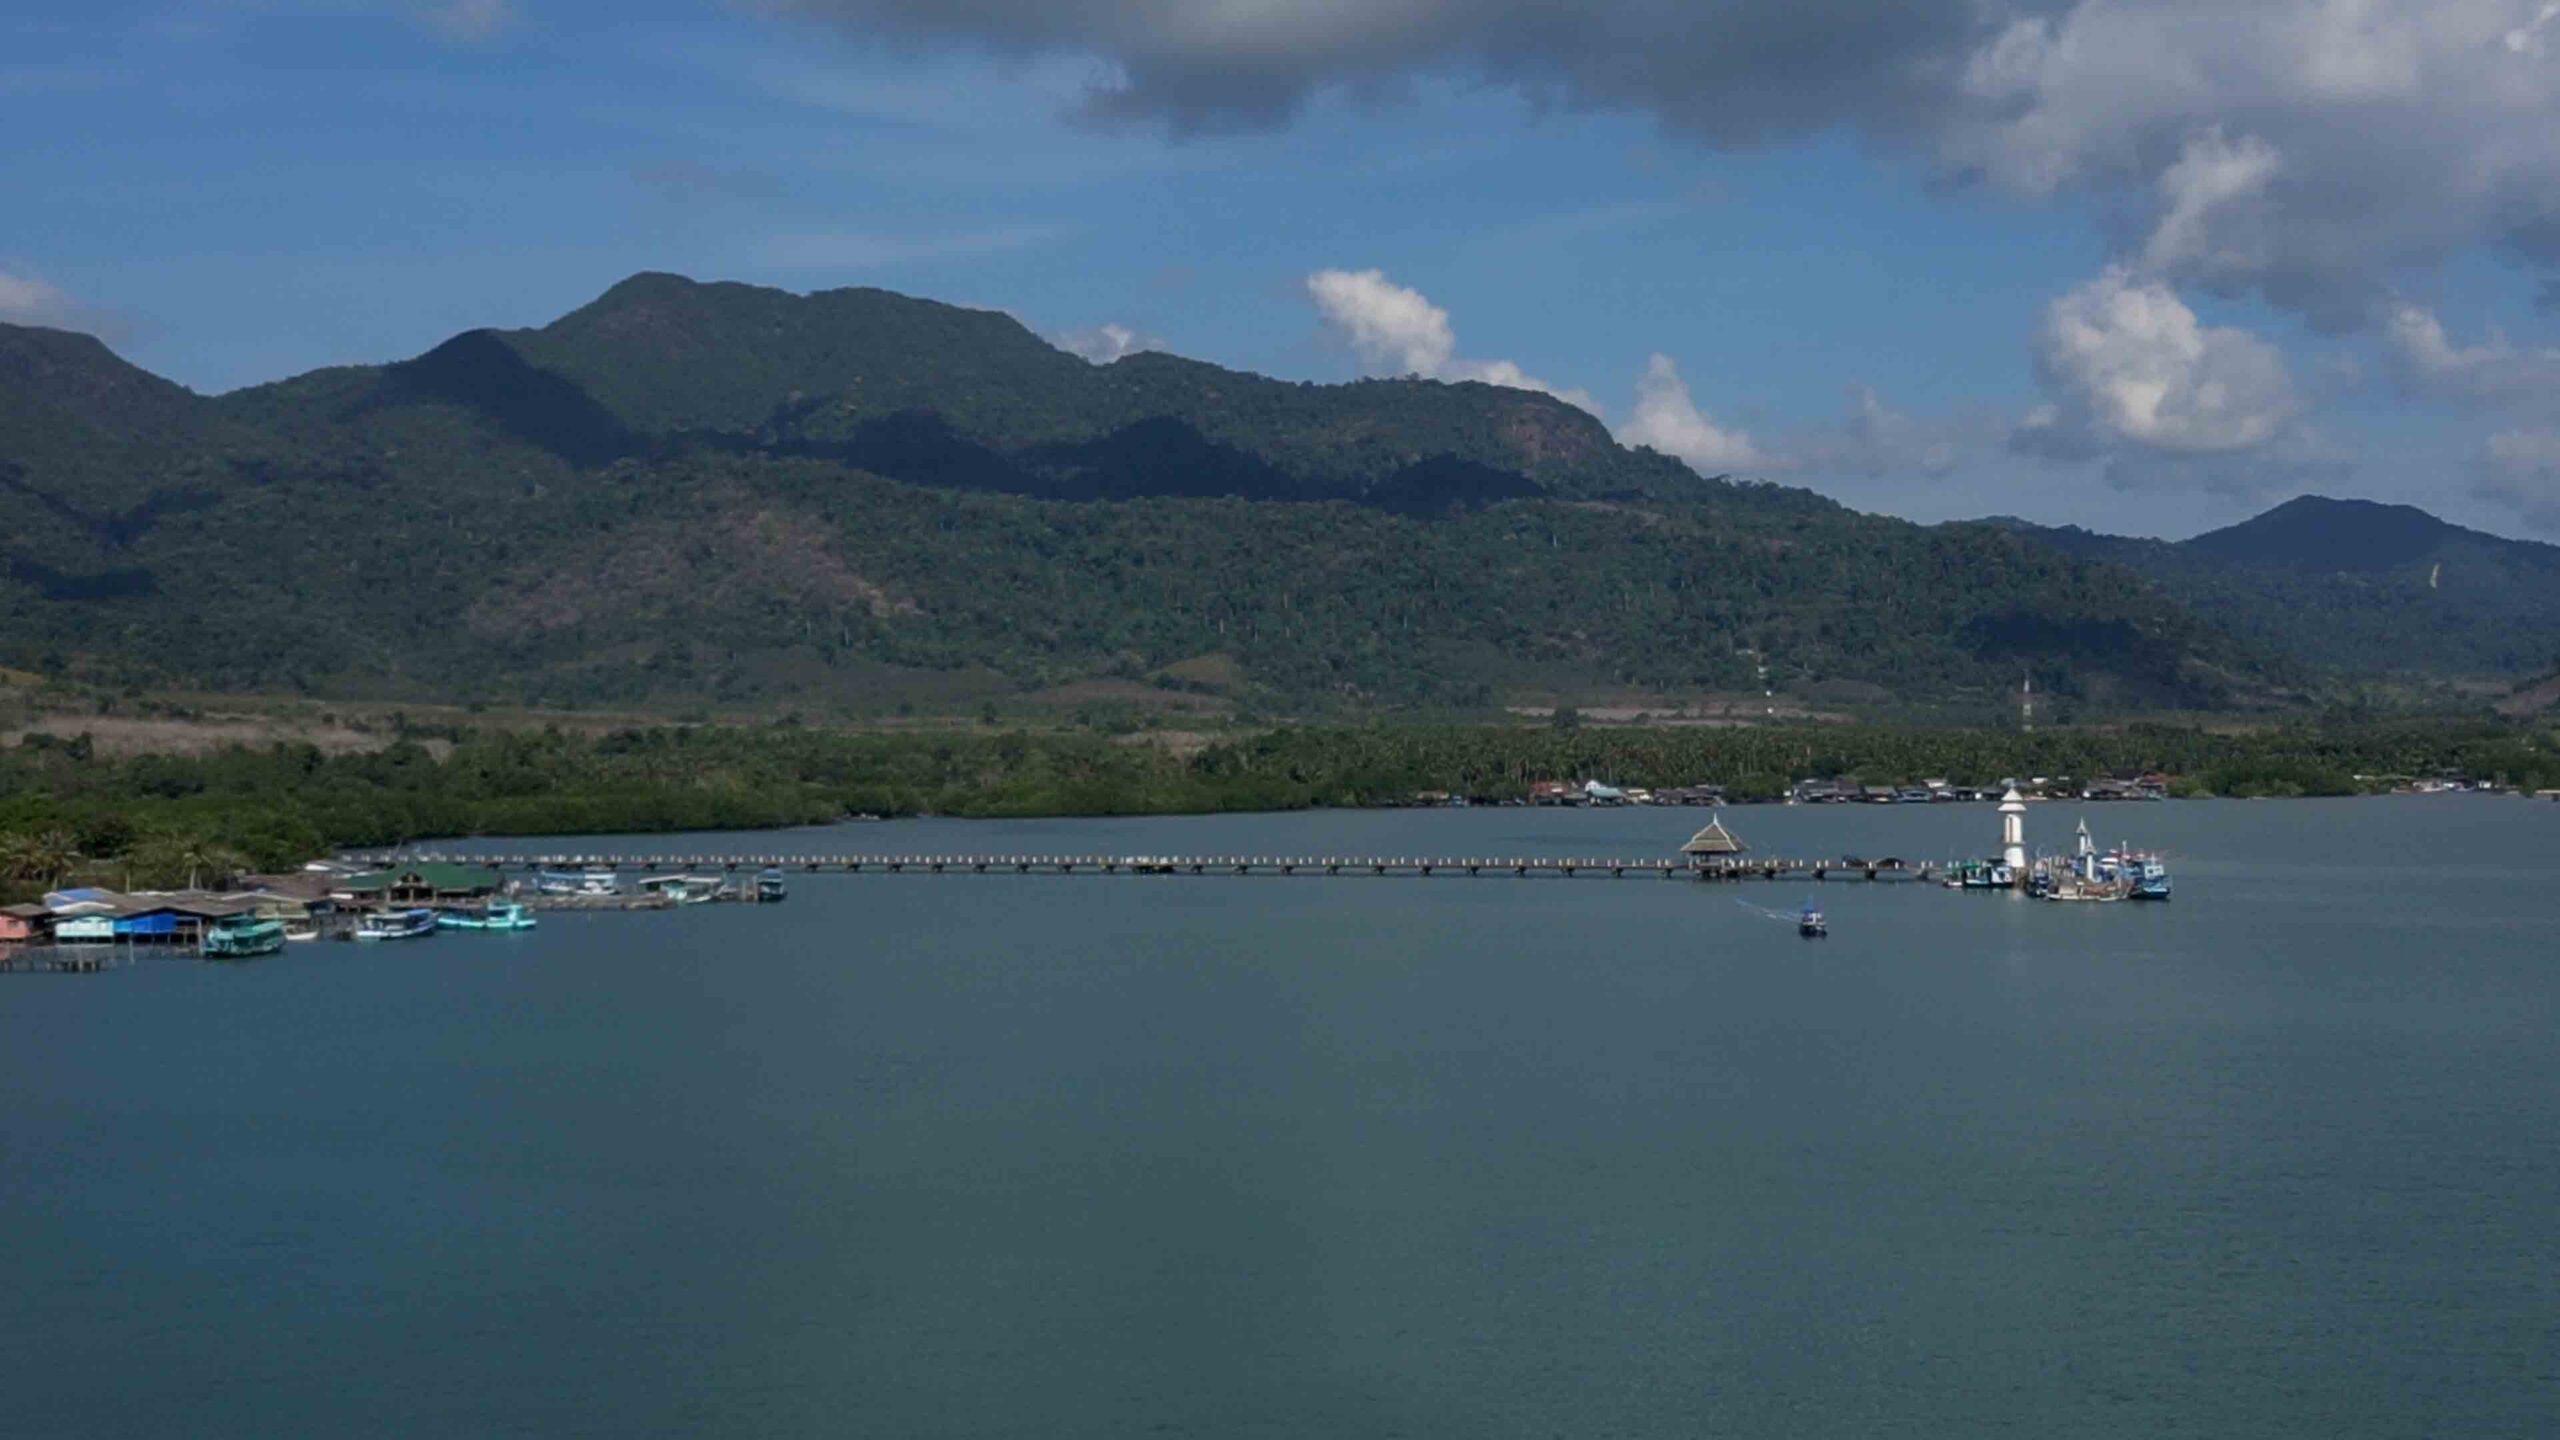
(1732, 72)
(2309, 151)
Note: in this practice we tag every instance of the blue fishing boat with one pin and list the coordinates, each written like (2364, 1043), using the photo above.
(2150, 877)
(398, 925)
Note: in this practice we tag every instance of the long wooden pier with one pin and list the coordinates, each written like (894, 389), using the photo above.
(1516, 866)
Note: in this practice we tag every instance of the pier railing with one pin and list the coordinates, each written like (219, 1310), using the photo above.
(1515, 866)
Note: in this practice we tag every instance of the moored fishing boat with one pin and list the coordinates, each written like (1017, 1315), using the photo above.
(769, 885)
(239, 937)
(398, 925)
(2149, 876)
(494, 915)
(682, 889)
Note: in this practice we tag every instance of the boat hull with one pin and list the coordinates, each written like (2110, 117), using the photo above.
(246, 943)
(415, 925)
(509, 917)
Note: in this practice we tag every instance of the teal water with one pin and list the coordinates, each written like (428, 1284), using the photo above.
(1048, 1157)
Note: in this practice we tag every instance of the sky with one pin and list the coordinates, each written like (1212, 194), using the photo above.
(2147, 266)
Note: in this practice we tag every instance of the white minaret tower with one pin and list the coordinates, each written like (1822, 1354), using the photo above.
(2013, 832)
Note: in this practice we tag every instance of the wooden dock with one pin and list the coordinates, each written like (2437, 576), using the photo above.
(595, 902)
(1513, 867)
(64, 959)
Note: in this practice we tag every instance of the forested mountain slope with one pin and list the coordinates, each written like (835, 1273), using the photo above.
(2358, 586)
(689, 492)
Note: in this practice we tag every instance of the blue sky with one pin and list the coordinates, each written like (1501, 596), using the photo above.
(1875, 286)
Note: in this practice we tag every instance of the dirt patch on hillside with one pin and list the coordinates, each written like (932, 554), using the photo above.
(1106, 690)
(126, 735)
(1214, 671)
(665, 569)
(2532, 699)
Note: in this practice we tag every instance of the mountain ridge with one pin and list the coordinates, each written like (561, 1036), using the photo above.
(2362, 586)
(723, 491)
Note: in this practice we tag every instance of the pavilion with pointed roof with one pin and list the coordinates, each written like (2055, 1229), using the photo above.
(1713, 843)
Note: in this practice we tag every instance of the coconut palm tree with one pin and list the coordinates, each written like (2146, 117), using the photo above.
(211, 859)
(37, 858)
(162, 859)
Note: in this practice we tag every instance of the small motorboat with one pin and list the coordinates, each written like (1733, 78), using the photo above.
(1811, 925)
(682, 889)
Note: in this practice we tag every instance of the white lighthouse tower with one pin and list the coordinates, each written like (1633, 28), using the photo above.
(2013, 833)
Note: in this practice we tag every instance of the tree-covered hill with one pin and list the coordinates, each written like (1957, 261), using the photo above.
(687, 492)
(2358, 586)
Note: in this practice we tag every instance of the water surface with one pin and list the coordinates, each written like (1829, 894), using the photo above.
(1041, 1156)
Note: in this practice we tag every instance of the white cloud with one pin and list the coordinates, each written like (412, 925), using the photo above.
(1387, 325)
(1396, 330)
(2300, 461)
(1877, 440)
(26, 300)
(2315, 152)
(2130, 363)
(1105, 343)
(2363, 137)
(2211, 174)
(1668, 420)
(2494, 372)
(469, 20)
(2520, 469)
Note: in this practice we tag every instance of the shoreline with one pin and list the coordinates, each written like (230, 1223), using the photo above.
(152, 821)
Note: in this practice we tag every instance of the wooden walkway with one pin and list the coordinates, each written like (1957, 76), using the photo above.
(69, 959)
(1518, 866)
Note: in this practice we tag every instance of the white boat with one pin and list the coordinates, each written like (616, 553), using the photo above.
(682, 889)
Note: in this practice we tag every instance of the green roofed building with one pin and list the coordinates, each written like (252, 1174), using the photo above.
(425, 883)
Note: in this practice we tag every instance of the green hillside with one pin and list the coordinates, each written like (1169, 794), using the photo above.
(2358, 587)
(716, 493)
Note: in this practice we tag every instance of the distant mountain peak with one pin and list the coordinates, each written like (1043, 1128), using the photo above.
(2320, 532)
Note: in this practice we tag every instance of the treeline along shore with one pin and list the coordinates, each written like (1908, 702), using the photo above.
(164, 819)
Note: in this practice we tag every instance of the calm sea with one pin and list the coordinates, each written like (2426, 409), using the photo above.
(1045, 1157)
